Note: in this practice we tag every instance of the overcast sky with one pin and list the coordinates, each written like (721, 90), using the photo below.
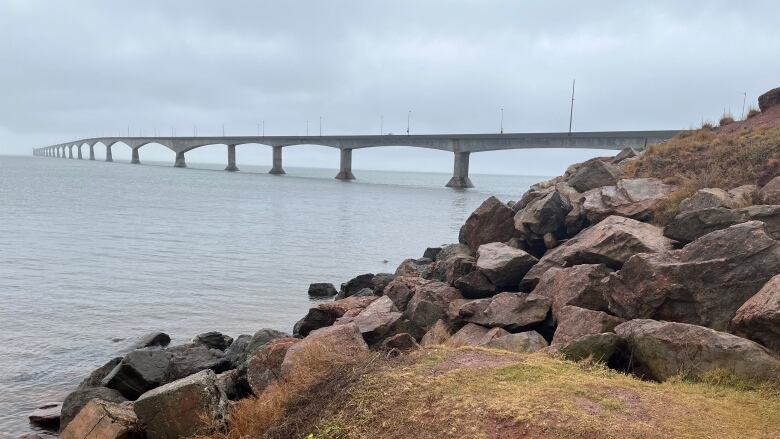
(78, 68)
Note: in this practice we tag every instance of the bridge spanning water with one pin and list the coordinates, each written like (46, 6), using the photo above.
(462, 145)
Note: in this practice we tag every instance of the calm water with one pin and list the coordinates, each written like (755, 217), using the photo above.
(94, 254)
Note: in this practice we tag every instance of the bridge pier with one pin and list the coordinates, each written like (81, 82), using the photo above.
(78, 149)
(92, 152)
(231, 166)
(109, 156)
(277, 168)
(180, 162)
(345, 168)
(460, 174)
(62, 152)
(70, 152)
(136, 160)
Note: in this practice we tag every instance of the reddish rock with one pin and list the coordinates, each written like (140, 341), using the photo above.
(633, 198)
(438, 334)
(592, 174)
(378, 320)
(770, 193)
(47, 415)
(545, 214)
(759, 318)
(266, 366)
(511, 311)
(599, 347)
(475, 285)
(703, 284)
(402, 342)
(610, 242)
(502, 265)
(402, 288)
(344, 340)
(326, 314)
(522, 343)
(769, 99)
(492, 221)
(574, 322)
(429, 303)
(666, 349)
(580, 285)
(182, 408)
(715, 197)
(475, 335)
(104, 420)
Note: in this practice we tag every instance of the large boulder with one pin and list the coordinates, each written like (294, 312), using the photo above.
(704, 283)
(502, 265)
(428, 304)
(633, 198)
(580, 285)
(414, 267)
(594, 173)
(235, 353)
(322, 289)
(742, 196)
(182, 408)
(523, 342)
(46, 415)
(544, 215)
(213, 340)
(454, 261)
(770, 192)
(437, 335)
(688, 226)
(759, 318)
(325, 314)
(255, 344)
(610, 242)
(153, 339)
(769, 99)
(356, 284)
(378, 319)
(104, 420)
(475, 285)
(475, 335)
(668, 349)
(511, 311)
(76, 400)
(492, 221)
(600, 347)
(266, 366)
(767, 214)
(340, 340)
(574, 322)
(138, 372)
(97, 375)
(191, 358)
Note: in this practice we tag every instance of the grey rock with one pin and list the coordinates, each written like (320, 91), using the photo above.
(600, 347)
(75, 401)
(96, 377)
(544, 215)
(322, 289)
(575, 322)
(138, 372)
(523, 342)
(592, 174)
(153, 339)
(503, 265)
(511, 311)
(213, 340)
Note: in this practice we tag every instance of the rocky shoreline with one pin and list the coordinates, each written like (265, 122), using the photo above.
(579, 267)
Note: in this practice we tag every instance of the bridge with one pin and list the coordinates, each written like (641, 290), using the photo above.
(461, 145)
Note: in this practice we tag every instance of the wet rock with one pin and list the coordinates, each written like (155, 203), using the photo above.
(104, 420)
(378, 320)
(138, 372)
(326, 314)
(600, 347)
(182, 408)
(78, 399)
(544, 215)
(759, 318)
(667, 349)
(704, 283)
(492, 221)
(511, 311)
(575, 322)
(580, 285)
(266, 366)
(356, 284)
(322, 289)
(213, 340)
(47, 415)
(523, 342)
(153, 339)
(610, 242)
(475, 285)
(502, 265)
(192, 358)
(633, 198)
(97, 375)
(414, 267)
(592, 174)
(341, 340)
(475, 335)
(770, 193)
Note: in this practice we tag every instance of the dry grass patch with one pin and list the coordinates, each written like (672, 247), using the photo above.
(541, 397)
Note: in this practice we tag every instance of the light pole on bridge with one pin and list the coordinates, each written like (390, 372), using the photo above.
(408, 119)
(502, 121)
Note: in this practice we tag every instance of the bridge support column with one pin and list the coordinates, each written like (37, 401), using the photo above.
(62, 153)
(460, 174)
(277, 168)
(57, 152)
(109, 156)
(78, 149)
(345, 169)
(180, 162)
(70, 152)
(231, 166)
(136, 160)
(92, 152)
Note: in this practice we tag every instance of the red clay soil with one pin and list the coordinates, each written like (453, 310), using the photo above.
(767, 119)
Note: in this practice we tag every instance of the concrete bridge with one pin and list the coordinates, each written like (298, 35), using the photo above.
(462, 145)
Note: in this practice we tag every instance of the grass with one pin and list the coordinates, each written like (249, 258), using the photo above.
(479, 393)
(710, 157)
